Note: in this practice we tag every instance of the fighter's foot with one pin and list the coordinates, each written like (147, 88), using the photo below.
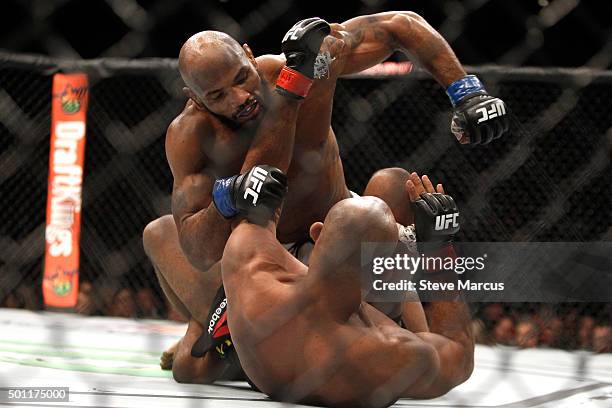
(167, 358)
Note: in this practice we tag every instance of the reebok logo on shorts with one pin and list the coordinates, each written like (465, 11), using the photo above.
(218, 314)
(221, 328)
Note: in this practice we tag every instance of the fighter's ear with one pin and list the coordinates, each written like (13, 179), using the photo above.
(315, 230)
(192, 95)
(249, 54)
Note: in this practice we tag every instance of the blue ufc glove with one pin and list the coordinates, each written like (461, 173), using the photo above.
(256, 194)
(478, 117)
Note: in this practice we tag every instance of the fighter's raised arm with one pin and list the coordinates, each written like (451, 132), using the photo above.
(373, 38)
(369, 40)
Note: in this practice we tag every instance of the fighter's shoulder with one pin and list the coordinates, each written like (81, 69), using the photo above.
(270, 66)
(191, 123)
(186, 134)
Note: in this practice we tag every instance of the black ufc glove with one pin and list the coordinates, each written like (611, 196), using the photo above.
(479, 118)
(301, 45)
(257, 194)
(436, 220)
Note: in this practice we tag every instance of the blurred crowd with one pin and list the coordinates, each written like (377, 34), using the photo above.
(585, 326)
(106, 299)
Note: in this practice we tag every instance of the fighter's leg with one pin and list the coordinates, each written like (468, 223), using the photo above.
(390, 186)
(204, 370)
(449, 321)
(190, 290)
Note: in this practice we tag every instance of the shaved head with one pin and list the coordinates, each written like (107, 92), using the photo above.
(221, 76)
(205, 54)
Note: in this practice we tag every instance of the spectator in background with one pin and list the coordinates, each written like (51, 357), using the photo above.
(148, 304)
(173, 314)
(550, 326)
(570, 319)
(527, 333)
(481, 335)
(503, 332)
(28, 296)
(85, 304)
(491, 314)
(124, 304)
(551, 332)
(602, 338)
(11, 301)
(585, 332)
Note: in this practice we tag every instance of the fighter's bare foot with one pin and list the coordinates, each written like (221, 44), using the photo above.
(167, 358)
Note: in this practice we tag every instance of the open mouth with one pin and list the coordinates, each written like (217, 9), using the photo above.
(250, 110)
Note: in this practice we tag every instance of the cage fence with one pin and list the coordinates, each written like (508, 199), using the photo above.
(547, 180)
(519, 33)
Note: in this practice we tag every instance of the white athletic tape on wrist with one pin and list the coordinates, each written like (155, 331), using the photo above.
(407, 236)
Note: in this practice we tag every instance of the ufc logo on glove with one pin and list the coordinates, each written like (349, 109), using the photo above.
(446, 220)
(496, 109)
(293, 33)
(258, 176)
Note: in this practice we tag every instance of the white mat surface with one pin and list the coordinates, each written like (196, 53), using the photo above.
(110, 362)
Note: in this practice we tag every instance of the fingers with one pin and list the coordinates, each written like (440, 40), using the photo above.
(418, 183)
(412, 193)
(428, 185)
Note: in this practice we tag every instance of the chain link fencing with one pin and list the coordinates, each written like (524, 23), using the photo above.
(519, 33)
(547, 180)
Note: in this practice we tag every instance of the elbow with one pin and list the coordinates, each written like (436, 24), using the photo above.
(464, 371)
(414, 16)
(467, 366)
(406, 28)
(198, 255)
(200, 258)
(467, 358)
(410, 30)
(406, 20)
(407, 17)
(448, 378)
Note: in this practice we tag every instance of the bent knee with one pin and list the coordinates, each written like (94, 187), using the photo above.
(156, 232)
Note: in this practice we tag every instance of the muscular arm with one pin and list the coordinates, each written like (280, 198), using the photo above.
(450, 333)
(372, 39)
(273, 143)
(202, 231)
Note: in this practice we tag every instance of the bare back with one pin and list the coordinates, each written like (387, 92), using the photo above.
(293, 346)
